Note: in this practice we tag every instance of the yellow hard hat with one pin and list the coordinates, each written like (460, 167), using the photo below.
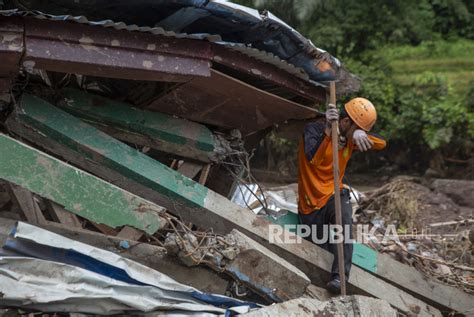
(362, 112)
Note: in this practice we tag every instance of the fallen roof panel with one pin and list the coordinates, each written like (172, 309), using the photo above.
(226, 102)
(73, 48)
(253, 62)
(238, 26)
(214, 38)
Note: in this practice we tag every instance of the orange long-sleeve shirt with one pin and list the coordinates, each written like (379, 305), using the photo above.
(315, 173)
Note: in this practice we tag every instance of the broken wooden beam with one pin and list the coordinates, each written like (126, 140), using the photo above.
(152, 129)
(27, 204)
(78, 191)
(99, 153)
(67, 136)
(249, 263)
(204, 174)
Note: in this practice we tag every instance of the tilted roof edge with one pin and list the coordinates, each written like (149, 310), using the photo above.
(260, 55)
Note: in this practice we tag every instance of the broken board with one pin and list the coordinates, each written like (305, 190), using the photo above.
(153, 129)
(97, 148)
(76, 190)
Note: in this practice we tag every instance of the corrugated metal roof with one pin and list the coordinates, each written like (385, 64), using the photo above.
(112, 24)
(270, 58)
(263, 56)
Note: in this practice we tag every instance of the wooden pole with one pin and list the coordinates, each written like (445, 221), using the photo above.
(337, 193)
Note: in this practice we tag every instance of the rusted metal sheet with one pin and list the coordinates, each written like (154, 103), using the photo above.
(229, 103)
(11, 49)
(258, 34)
(251, 66)
(91, 50)
(261, 56)
(88, 50)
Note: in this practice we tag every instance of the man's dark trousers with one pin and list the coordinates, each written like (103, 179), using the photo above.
(326, 216)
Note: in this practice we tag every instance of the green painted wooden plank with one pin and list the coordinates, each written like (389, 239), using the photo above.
(155, 125)
(78, 191)
(365, 257)
(362, 256)
(288, 219)
(99, 147)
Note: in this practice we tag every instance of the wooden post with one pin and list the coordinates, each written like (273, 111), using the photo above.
(204, 174)
(61, 215)
(337, 193)
(28, 205)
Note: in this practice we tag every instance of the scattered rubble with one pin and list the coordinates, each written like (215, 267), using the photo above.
(403, 203)
(248, 262)
(349, 306)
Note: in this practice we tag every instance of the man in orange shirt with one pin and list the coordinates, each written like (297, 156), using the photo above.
(316, 181)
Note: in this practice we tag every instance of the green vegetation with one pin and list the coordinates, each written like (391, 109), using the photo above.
(416, 61)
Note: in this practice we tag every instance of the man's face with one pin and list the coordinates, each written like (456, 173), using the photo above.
(347, 127)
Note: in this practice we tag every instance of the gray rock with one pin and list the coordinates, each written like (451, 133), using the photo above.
(265, 272)
(349, 306)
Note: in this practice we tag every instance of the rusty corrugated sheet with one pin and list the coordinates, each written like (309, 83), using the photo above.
(193, 19)
(266, 71)
(73, 48)
(251, 63)
(222, 101)
(214, 38)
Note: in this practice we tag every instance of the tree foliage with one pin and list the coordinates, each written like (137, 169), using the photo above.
(414, 57)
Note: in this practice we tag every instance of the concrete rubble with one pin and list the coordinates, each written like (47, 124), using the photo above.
(349, 306)
(245, 260)
(124, 165)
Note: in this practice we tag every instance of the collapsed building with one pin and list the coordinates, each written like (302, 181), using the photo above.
(122, 122)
